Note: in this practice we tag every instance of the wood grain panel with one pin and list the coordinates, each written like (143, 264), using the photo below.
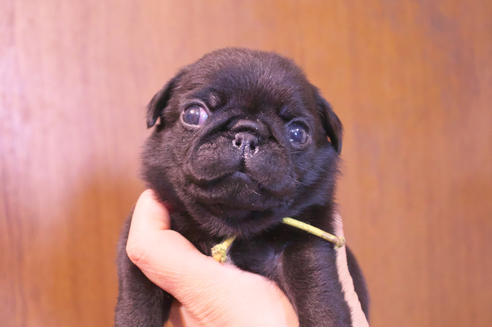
(411, 81)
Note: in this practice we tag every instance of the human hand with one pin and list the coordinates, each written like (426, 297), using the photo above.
(208, 293)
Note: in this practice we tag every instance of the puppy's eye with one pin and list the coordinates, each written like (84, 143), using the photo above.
(297, 134)
(194, 115)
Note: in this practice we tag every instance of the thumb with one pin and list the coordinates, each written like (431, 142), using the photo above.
(151, 245)
(166, 257)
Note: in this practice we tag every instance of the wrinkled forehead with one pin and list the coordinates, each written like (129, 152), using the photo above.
(249, 83)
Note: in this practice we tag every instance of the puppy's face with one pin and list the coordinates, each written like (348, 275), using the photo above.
(242, 139)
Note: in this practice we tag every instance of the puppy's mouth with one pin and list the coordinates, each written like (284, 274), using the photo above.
(235, 190)
(242, 177)
(242, 187)
(236, 204)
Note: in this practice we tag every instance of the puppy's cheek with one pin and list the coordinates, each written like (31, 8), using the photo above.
(212, 160)
(273, 170)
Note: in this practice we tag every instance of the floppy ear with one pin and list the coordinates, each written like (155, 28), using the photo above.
(331, 122)
(159, 102)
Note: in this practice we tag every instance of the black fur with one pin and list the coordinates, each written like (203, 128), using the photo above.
(194, 171)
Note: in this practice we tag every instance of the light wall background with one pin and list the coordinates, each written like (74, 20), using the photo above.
(410, 80)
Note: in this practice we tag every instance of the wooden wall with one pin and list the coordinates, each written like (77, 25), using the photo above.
(411, 81)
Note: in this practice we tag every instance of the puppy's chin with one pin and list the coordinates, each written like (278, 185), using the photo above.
(227, 220)
(236, 205)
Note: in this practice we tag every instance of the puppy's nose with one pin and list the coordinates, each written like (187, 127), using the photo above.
(246, 142)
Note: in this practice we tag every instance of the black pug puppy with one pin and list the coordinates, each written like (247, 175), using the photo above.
(242, 140)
